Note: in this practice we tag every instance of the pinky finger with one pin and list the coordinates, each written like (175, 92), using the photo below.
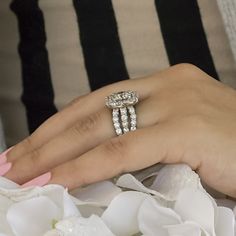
(133, 151)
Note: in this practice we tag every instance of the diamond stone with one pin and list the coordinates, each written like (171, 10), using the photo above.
(125, 124)
(124, 117)
(122, 99)
(131, 110)
(115, 112)
(126, 130)
(118, 131)
(117, 125)
(115, 119)
(123, 111)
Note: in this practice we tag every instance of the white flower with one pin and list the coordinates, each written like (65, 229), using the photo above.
(32, 211)
(174, 203)
(81, 226)
(184, 208)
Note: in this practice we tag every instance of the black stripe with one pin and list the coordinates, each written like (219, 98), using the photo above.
(99, 38)
(184, 35)
(38, 95)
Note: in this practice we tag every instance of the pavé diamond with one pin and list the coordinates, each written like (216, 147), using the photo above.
(122, 99)
(123, 111)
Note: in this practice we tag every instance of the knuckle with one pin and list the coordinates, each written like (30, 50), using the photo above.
(88, 124)
(35, 157)
(27, 143)
(187, 70)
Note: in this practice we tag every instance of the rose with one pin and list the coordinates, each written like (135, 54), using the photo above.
(32, 211)
(175, 203)
(178, 205)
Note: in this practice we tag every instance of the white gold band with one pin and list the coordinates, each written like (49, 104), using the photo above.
(124, 119)
(123, 112)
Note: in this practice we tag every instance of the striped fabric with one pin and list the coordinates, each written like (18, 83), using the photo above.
(52, 51)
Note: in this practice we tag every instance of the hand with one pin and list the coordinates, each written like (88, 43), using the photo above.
(184, 116)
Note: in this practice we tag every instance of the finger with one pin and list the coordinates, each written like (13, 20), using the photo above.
(77, 110)
(131, 152)
(80, 138)
(73, 142)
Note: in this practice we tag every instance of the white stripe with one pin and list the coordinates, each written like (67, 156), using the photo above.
(140, 36)
(69, 76)
(11, 108)
(218, 41)
(228, 10)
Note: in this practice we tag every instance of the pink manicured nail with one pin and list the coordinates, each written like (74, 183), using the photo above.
(38, 181)
(3, 157)
(4, 168)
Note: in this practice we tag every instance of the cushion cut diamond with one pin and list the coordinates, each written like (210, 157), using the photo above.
(122, 99)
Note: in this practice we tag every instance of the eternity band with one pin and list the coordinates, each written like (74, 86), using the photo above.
(123, 111)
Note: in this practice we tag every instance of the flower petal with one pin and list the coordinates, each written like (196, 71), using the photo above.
(130, 182)
(100, 193)
(171, 179)
(7, 184)
(225, 222)
(53, 232)
(5, 203)
(69, 208)
(33, 216)
(195, 205)
(184, 229)
(83, 226)
(121, 214)
(152, 217)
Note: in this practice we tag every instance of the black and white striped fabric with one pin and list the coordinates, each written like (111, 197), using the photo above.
(52, 51)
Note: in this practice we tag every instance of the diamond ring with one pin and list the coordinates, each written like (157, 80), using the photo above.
(123, 112)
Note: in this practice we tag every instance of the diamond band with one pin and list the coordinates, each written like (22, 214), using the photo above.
(123, 112)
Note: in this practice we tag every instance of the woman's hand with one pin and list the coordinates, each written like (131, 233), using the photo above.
(184, 116)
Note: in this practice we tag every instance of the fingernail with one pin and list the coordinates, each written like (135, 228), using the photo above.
(38, 181)
(3, 157)
(4, 168)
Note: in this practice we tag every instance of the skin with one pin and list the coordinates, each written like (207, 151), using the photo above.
(184, 116)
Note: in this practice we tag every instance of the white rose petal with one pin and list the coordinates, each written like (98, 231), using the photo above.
(83, 226)
(33, 216)
(195, 205)
(100, 193)
(130, 182)
(7, 184)
(5, 203)
(54, 232)
(225, 222)
(121, 214)
(171, 179)
(185, 229)
(69, 208)
(152, 217)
